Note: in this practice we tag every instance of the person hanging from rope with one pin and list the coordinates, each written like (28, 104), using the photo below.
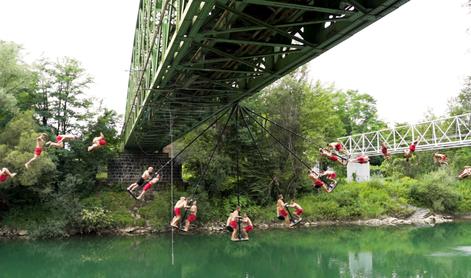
(408, 153)
(325, 180)
(337, 147)
(5, 174)
(440, 159)
(232, 223)
(142, 179)
(333, 157)
(466, 172)
(177, 211)
(384, 151)
(148, 185)
(192, 217)
(60, 139)
(281, 211)
(40, 141)
(298, 209)
(247, 226)
(361, 159)
(97, 143)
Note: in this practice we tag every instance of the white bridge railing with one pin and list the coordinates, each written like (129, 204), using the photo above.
(445, 133)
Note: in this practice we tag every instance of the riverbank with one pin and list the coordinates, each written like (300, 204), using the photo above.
(421, 217)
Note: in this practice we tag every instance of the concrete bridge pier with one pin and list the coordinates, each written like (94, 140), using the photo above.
(128, 166)
(358, 172)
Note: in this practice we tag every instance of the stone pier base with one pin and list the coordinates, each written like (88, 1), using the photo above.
(128, 167)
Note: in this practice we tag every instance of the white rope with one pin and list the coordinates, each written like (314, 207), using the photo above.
(171, 183)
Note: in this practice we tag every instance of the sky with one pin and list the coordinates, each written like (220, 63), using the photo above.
(412, 61)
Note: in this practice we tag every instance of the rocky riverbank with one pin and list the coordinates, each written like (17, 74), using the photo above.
(421, 217)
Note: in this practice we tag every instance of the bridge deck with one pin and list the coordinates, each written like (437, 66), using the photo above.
(192, 57)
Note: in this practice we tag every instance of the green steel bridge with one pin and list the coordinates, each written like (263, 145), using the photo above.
(192, 59)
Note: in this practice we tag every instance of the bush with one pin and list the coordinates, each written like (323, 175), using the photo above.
(95, 219)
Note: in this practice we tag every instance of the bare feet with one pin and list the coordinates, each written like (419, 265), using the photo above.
(27, 165)
(12, 175)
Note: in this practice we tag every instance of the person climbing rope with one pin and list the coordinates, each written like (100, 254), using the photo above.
(60, 139)
(333, 157)
(281, 212)
(148, 185)
(5, 174)
(408, 153)
(247, 226)
(440, 159)
(361, 159)
(298, 209)
(97, 143)
(177, 211)
(142, 179)
(40, 141)
(466, 172)
(192, 217)
(384, 151)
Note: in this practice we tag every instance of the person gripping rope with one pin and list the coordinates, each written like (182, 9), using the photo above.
(148, 185)
(40, 141)
(142, 179)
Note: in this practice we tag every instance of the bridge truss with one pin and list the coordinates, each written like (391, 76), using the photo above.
(193, 58)
(445, 133)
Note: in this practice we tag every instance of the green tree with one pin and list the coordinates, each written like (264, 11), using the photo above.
(462, 103)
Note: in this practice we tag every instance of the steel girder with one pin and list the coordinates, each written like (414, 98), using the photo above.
(445, 133)
(192, 58)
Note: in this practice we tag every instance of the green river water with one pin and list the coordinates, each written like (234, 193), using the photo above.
(441, 251)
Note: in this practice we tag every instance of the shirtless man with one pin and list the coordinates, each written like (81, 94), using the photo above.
(410, 151)
(384, 151)
(148, 185)
(232, 223)
(440, 159)
(247, 226)
(281, 212)
(98, 143)
(465, 173)
(191, 217)
(40, 141)
(333, 157)
(5, 174)
(361, 159)
(60, 139)
(145, 176)
(325, 180)
(298, 209)
(177, 211)
(338, 147)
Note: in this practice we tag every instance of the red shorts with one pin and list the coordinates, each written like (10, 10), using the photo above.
(3, 177)
(333, 158)
(249, 228)
(318, 183)
(332, 176)
(191, 217)
(102, 142)
(283, 213)
(177, 211)
(58, 138)
(362, 160)
(233, 224)
(38, 151)
(298, 211)
(147, 186)
(412, 148)
(384, 150)
(338, 147)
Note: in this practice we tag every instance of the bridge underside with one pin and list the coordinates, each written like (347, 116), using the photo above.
(194, 58)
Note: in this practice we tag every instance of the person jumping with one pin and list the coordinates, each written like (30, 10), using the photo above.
(440, 159)
(466, 172)
(60, 139)
(40, 141)
(361, 159)
(333, 157)
(384, 151)
(408, 153)
(5, 174)
(98, 143)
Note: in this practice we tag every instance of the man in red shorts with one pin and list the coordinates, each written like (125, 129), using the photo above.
(298, 210)
(361, 159)
(281, 212)
(177, 211)
(337, 147)
(98, 143)
(333, 157)
(192, 217)
(5, 174)
(440, 159)
(410, 151)
(384, 151)
(40, 141)
(149, 185)
(247, 226)
(232, 223)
